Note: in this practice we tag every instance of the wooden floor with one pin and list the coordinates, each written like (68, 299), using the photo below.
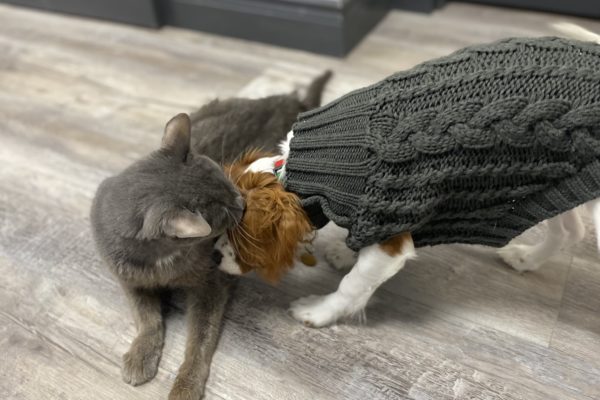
(81, 99)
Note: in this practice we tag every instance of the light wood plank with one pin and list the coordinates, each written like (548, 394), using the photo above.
(81, 99)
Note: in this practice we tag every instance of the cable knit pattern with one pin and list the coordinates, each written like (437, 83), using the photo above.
(474, 147)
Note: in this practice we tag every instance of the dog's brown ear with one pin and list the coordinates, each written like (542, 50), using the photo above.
(273, 225)
(177, 136)
(291, 228)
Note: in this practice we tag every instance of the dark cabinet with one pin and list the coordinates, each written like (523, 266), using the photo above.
(323, 26)
(584, 8)
(137, 12)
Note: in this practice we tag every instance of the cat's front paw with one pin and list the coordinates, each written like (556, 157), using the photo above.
(228, 262)
(140, 363)
(317, 311)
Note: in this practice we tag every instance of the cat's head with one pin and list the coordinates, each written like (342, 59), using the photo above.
(172, 194)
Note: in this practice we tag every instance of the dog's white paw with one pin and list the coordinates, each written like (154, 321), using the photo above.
(520, 257)
(228, 263)
(339, 256)
(317, 311)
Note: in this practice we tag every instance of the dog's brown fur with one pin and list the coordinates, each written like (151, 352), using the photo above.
(393, 246)
(273, 225)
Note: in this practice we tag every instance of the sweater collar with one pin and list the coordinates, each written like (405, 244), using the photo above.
(279, 168)
(272, 165)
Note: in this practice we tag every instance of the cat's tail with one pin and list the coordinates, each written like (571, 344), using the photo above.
(574, 31)
(315, 91)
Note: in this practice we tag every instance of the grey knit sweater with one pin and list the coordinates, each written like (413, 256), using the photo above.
(474, 147)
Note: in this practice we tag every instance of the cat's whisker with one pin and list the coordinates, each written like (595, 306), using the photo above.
(250, 240)
(188, 252)
(243, 232)
(238, 179)
(248, 235)
(240, 233)
(230, 218)
(235, 243)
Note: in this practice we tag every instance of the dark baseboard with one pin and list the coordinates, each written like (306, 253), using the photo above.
(583, 8)
(136, 12)
(332, 27)
(426, 6)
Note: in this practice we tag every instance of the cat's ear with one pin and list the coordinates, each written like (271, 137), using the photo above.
(177, 136)
(186, 224)
(178, 223)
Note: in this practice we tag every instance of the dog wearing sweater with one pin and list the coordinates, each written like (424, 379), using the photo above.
(475, 147)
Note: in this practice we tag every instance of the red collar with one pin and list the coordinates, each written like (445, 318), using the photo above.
(278, 167)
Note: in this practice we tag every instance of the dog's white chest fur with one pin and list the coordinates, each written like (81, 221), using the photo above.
(267, 164)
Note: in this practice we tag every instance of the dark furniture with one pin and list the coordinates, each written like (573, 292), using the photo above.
(324, 26)
(418, 5)
(137, 12)
(584, 8)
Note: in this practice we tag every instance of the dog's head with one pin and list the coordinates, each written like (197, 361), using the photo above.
(273, 224)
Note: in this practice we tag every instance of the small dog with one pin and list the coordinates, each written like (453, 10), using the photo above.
(275, 224)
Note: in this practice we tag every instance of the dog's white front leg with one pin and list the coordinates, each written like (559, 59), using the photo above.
(375, 265)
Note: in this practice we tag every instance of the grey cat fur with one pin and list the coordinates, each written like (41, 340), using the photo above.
(154, 225)
(237, 124)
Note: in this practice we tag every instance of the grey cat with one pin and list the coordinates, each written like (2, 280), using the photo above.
(155, 223)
